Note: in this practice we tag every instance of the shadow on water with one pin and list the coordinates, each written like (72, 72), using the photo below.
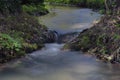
(51, 63)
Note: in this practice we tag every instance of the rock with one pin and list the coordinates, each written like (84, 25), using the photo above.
(64, 38)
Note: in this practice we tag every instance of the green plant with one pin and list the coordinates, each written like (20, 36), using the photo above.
(100, 39)
(30, 46)
(9, 6)
(9, 43)
(81, 3)
(35, 9)
(29, 8)
(102, 11)
(84, 41)
(116, 36)
(118, 25)
(103, 50)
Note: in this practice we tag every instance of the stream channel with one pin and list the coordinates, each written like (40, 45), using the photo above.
(52, 63)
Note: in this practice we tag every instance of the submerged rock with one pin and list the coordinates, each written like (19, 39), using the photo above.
(63, 38)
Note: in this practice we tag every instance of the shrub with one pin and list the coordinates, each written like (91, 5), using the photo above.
(35, 9)
(9, 43)
(81, 3)
(14, 6)
(9, 6)
(85, 41)
(32, 1)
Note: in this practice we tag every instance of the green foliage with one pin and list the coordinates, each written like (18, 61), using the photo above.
(102, 11)
(81, 3)
(14, 6)
(9, 6)
(118, 25)
(9, 43)
(19, 35)
(19, 32)
(29, 8)
(30, 46)
(35, 9)
(99, 40)
(95, 3)
(84, 41)
(116, 36)
(103, 50)
(101, 43)
(12, 47)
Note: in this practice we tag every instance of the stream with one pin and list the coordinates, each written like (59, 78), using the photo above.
(52, 63)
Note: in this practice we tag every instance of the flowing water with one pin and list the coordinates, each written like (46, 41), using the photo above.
(52, 63)
(69, 19)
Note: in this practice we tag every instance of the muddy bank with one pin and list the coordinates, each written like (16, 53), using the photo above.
(102, 40)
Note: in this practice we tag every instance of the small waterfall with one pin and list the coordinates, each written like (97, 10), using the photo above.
(52, 36)
(60, 38)
(56, 36)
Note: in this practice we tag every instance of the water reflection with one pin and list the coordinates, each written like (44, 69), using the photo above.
(67, 19)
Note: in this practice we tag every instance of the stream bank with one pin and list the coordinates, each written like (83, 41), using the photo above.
(53, 63)
(102, 40)
(25, 34)
(21, 34)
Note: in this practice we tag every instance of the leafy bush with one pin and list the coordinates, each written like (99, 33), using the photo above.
(9, 6)
(35, 9)
(14, 6)
(29, 8)
(11, 47)
(85, 41)
(104, 50)
(100, 40)
(9, 43)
